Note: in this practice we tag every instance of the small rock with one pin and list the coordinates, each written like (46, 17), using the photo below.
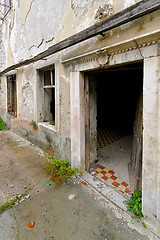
(71, 197)
(28, 196)
(11, 186)
(25, 187)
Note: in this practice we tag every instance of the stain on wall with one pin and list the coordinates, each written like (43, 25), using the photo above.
(27, 108)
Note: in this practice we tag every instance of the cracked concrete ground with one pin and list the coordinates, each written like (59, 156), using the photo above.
(56, 214)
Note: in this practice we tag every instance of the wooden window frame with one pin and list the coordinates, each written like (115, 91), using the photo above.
(52, 85)
(12, 95)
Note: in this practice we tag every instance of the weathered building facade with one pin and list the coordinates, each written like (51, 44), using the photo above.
(73, 88)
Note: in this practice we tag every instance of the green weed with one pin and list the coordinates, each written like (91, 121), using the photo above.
(52, 123)
(135, 204)
(34, 125)
(7, 205)
(57, 169)
(3, 125)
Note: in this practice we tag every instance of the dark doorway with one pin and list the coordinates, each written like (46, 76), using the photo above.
(118, 92)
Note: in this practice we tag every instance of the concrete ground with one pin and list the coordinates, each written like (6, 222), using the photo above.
(57, 215)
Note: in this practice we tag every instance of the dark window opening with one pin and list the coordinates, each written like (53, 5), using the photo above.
(12, 95)
(49, 95)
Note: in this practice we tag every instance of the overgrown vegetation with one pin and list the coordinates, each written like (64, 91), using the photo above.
(57, 169)
(135, 205)
(52, 123)
(3, 125)
(34, 125)
(7, 205)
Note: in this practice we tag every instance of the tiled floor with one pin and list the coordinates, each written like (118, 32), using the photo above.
(106, 136)
(109, 176)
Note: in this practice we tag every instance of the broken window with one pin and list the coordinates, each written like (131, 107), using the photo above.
(49, 96)
(11, 95)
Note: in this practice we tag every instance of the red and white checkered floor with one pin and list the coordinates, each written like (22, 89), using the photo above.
(109, 176)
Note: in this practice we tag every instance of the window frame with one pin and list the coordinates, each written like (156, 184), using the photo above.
(6, 7)
(12, 95)
(40, 67)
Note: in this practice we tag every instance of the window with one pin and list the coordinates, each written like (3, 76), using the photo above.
(11, 95)
(49, 96)
(7, 6)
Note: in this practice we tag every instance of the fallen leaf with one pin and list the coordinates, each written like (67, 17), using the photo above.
(31, 224)
(84, 183)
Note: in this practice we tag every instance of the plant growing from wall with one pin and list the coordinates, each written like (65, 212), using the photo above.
(3, 125)
(135, 205)
(57, 169)
(52, 123)
(34, 125)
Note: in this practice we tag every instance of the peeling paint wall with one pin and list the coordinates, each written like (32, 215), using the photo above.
(60, 18)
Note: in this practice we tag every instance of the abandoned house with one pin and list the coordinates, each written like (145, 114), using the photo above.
(88, 74)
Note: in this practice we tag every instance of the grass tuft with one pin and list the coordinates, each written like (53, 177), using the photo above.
(9, 204)
(34, 125)
(3, 125)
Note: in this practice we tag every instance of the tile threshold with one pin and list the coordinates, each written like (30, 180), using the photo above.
(111, 193)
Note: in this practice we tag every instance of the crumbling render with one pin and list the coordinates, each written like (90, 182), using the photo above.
(136, 11)
(104, 11)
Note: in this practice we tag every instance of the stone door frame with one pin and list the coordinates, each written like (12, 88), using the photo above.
(148, 53)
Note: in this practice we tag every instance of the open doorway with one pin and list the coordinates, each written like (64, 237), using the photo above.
(115, 125)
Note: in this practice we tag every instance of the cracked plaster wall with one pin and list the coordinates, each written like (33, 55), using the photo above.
(81, 7)
(26, 94)
(34, 25)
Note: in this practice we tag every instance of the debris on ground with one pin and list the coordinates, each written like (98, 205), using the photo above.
(84, 183)
(31, 224)
(71, 196)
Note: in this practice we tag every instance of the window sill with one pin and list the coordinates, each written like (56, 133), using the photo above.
(47, 125)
